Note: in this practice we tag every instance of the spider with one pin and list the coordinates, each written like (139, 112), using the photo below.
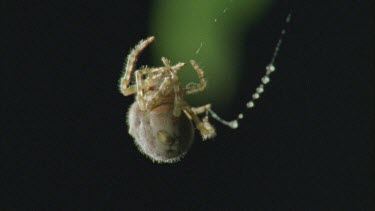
(160, 120)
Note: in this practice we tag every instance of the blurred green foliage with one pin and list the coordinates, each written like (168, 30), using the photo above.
(181, 27)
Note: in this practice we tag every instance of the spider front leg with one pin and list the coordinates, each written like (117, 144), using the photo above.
(156, 98)
(176, 85)
(130, 64)
(177, 99)
(194, 88)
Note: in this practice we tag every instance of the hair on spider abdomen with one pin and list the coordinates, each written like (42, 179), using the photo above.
(160, 135)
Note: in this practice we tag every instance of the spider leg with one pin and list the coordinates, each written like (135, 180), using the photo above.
(201, 109)
(176, 85)
(132, 89)
(156, 98)
(207, 110)
(130, 64)
(191, 89)
(204, 126)
(177, 99)
(166, 62)
(173, 68)
(140, 91)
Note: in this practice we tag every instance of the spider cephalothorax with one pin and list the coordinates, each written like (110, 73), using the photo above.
(160, 120)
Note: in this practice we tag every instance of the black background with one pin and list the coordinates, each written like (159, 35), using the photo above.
(307, 145)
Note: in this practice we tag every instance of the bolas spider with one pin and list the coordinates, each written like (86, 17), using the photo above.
(160, 120)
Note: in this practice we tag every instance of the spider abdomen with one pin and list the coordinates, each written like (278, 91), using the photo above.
(159, 134)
